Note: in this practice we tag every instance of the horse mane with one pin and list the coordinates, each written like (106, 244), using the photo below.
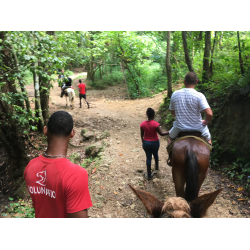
(176, 207)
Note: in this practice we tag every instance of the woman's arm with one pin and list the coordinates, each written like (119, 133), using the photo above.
(142, 135)
(159, 131)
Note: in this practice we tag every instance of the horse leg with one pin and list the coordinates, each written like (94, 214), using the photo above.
(179, 177)
(203, 172)
(73, 99)
(66, 100)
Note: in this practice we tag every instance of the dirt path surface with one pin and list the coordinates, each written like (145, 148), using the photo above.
(123, 159)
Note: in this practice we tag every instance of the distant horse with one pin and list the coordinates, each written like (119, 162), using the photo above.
(190, 162)
(70, 93)
(176, 207)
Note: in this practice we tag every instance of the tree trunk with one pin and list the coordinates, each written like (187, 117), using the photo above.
(187, 58)
(221, 40)
(51, 33)
(20, 80)
(200, 36)
(240, 58)
(168, 65)
(91, 70)
(44, 97)
(44, 88)
(122, 69)
(37, 99)
(212, 53)
(206, 69)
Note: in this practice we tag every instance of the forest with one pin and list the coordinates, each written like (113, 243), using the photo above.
(146, 63)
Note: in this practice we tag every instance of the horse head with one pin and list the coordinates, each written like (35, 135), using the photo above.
(176, 207)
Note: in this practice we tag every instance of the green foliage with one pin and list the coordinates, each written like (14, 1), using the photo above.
(20, 209)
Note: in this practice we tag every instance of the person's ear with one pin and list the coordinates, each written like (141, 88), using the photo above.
(72, 134)
(45, 130)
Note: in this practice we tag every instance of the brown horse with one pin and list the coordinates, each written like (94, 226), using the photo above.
(190, 161)
(176, 207)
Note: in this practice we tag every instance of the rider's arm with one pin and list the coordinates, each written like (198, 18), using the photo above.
(160, 132)
(80, 214)
(142, 134)
(208, 116)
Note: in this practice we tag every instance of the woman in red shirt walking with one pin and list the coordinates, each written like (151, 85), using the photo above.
(150, 140)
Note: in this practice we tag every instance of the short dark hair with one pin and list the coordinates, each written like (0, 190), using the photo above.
(80, 81)
(191, 78)
(60, 123)
(150, 113)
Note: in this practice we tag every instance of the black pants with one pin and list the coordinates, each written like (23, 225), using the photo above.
(82, 96)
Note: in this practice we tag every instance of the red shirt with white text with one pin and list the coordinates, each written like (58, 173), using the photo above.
(57, 187)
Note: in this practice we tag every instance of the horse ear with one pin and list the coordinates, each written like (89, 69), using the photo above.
(151, 203)
(200, 205)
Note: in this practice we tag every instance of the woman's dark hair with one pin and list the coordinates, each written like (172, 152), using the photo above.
(150, 113)
(80, 81)
(60, 123)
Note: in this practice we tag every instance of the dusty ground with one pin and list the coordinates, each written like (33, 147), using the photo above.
(123, 159)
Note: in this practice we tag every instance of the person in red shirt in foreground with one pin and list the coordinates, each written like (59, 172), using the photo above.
(150, 140)
(82, 92)
(58, 188)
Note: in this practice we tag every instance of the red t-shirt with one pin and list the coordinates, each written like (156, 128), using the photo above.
(82, 88)
(149, 128)
(57, 187)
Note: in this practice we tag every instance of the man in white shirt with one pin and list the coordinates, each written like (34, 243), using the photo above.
(186, 105)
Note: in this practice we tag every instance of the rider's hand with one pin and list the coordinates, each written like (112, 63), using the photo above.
(204, 122)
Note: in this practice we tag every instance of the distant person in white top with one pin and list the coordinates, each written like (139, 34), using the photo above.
(186, 105)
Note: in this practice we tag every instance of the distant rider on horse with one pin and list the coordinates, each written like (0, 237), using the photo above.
(186, 105)
(67, 83)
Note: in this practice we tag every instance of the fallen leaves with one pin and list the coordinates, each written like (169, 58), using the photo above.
(102, 187)
(242, 199)
(234, 202)
(115, 192)
(240, 189)
(94, 170)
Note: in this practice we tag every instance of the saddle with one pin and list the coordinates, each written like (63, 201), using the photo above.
(187, 134)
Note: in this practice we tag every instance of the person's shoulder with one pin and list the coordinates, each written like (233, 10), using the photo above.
(156, 123)
(74, 168)
(176, 92)
(199, 94)
(142, 123)
(35, 160)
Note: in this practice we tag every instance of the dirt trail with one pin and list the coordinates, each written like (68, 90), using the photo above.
(123, 158)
